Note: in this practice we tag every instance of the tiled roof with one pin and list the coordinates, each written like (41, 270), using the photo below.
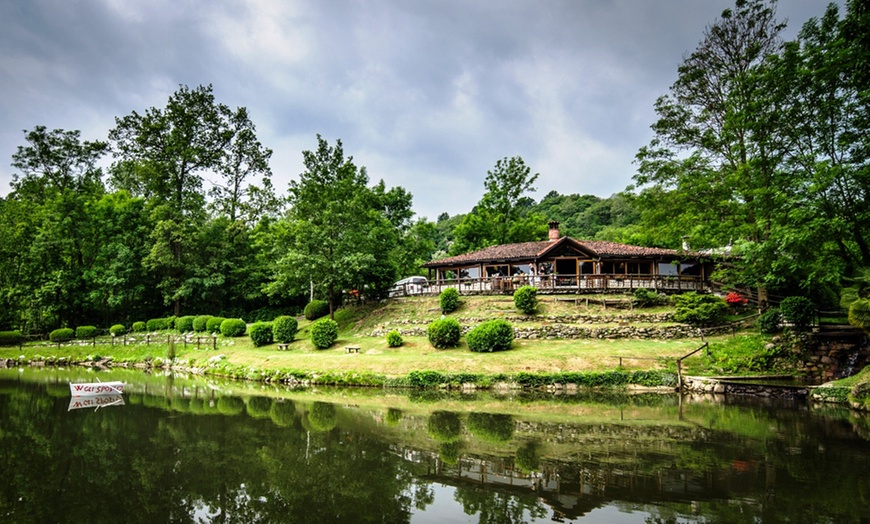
(530, 250)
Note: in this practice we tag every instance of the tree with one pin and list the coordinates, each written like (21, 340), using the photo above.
(711, 171)
(244, 157)
(52, 235)
(502, 216)
(339, 233)
(164, 156)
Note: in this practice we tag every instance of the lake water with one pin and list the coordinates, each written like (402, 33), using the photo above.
(179, 449)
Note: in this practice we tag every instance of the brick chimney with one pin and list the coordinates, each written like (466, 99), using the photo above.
(554, 230)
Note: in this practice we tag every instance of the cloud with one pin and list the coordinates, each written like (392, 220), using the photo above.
(426, 94)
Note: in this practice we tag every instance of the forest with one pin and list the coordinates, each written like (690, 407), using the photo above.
(760, 150)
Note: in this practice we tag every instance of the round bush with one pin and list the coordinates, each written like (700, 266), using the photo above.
(394, 339)
(322, 416)
(283, 413)
(526, 299)
(139, 327)
(230, 405)
(233, 327)
(448, 452)
(61, 335)
(491, 427)
(11, 338)
(160, 324)
(258, 407)
(316, 309)
(117, 329)
(261, 333)
(770, 321)
(86, 332)
(324, 332)
(284, 329)
(200, 323)
(444, 333)
(492, 335)
(647, 298)
(449, 300)
(184, 324)
(798, 311)
(444, 426)
(213, 325)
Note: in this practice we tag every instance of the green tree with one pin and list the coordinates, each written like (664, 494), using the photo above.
(52, 235)
(503, 214)
(340, 234)
(711, 170)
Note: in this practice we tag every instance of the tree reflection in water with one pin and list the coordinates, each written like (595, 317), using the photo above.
(188, 454)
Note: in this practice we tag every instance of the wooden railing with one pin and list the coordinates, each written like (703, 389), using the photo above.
(554, 284)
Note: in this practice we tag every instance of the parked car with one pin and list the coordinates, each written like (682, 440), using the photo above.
(409, 286)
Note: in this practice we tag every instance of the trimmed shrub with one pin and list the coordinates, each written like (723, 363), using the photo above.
(492, 335)
(393, 416)
(647, 298)
(261, 333)
(200, 323)
(233, 327)
(86, 332)
(444, 333)
(491, 427)
(449, 300)
(444, 426)
(448, 452)
(770, 321)
(117, 329)
(61, 335)
(184, 324)
(798, 311)
(11, 338)
(160, 324)
(139, 327)
(699, 309)
(322, 416)
(284, 329)
(316, 309)
(526, 299)
(394, 339)
(213, 325)
(324, 332)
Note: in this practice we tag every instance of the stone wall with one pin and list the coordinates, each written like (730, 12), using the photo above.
(833, 355)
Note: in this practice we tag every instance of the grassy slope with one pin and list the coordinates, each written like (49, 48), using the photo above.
(536, 356)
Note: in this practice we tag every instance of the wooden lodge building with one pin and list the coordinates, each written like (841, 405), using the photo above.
(566, 265)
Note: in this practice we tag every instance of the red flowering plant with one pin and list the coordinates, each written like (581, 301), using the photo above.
(735, 299)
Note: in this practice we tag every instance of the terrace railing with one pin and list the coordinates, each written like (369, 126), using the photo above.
(557, 284)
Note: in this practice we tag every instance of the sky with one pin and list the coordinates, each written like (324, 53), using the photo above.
(425, 94)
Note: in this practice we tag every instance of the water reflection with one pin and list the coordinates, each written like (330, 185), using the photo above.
(186, 450)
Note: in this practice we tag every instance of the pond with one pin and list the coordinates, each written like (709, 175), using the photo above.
(183, 449)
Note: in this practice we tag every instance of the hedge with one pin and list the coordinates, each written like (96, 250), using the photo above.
(491, 427)
(200, 323)
(117, 329)
(260, 333)
(444, 333)
(139, 327)
(526, 299)
(316, 309)
(184, 324)
(160, 324)
(233, 327)
(492, 335)
(11, 338)
(86, 332)
(394, 339)
(61, 335)
(323, 333)
(284, 329)
(214, 324)
(449, 300)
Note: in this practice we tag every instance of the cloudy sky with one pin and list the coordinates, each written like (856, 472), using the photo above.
(426, 94)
